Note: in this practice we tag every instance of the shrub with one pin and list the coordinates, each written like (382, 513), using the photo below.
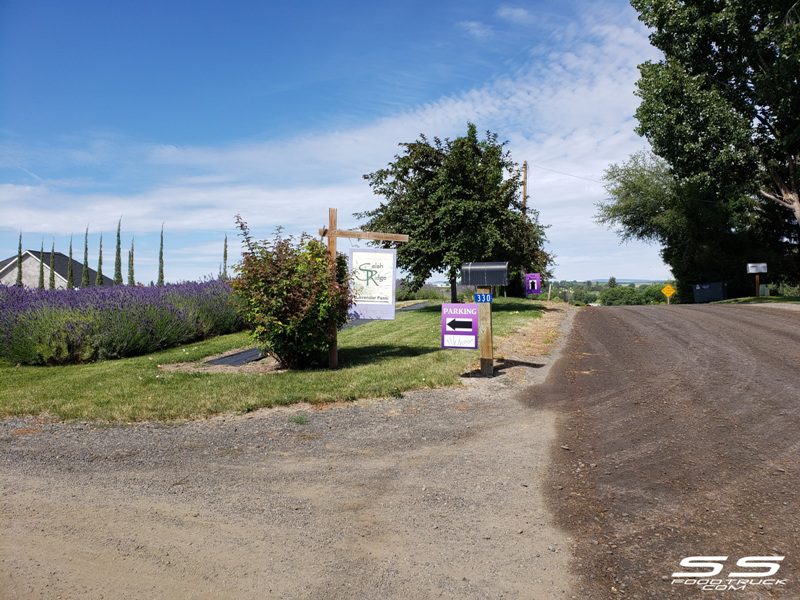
(49, 327)
(287, 295)
(618, 295)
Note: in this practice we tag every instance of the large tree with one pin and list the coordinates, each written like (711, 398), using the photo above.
(703, 238)
(459, 201)
(723, 106)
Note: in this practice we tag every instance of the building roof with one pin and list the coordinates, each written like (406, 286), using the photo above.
(60, 266)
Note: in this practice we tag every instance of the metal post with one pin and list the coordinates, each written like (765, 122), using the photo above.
(485, 342)
(758, 285)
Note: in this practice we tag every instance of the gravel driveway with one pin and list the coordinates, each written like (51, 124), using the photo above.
(437, 494)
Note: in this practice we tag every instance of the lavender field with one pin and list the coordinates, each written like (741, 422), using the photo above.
(52, 327)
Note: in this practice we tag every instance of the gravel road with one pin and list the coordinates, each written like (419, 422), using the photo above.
(680, 437)
(437, 494)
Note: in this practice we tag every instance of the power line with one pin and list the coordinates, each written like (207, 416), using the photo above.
(566, 174)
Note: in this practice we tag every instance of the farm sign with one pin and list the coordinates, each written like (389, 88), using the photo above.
(372, 274)
(460, 326)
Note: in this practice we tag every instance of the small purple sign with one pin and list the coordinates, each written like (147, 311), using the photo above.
(460, 326)
(533, 284)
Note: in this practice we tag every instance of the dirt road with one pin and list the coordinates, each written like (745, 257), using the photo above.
(438, 494)
(681, 437)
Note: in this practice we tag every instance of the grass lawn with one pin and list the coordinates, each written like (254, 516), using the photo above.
(759, 300)
(377, 359)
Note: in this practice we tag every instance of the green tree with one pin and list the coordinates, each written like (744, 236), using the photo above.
(118, 256)
(459, 201)
(98, 280)
(41, 267)
(52, 282)
(19, 262)
(723, 106)
(85, 271)
(161, 259)
(224, 270)
(704, 236)
(612, 282)
(131, 278)
(70, 271)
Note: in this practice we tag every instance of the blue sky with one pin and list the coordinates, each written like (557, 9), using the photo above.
(186, 113)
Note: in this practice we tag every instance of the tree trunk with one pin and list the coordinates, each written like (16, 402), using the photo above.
(788, 198)
(453, 290)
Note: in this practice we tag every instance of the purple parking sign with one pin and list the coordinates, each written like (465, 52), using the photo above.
(533, 284)
(460, 326)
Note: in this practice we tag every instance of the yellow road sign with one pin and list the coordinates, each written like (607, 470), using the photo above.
(668, 291)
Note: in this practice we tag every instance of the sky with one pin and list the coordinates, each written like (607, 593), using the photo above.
(183, 114)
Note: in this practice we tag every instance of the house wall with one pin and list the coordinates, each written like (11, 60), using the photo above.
(30, 274)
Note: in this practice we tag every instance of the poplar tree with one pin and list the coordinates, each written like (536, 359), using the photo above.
(19, 262)
(224, 271)
(131, 278)
(41, 266)
(70, 274)
(98, 280)
(85, 272)
(161, 259)
(118, 256)
(53, 266)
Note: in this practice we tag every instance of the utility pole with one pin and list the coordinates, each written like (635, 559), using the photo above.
(524, 187)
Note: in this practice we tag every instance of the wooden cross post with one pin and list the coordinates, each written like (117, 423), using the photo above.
(332, 233)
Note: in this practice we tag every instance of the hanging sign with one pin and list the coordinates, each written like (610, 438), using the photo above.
(372, 275)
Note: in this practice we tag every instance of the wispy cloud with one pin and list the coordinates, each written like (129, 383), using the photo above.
(515, 14)
(476, 29)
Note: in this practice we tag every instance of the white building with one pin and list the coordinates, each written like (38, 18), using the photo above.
(31, 261)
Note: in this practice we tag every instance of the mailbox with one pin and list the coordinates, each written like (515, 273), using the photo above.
(484, 273)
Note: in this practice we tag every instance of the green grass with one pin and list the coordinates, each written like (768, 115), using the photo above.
(382, 358)
(759, 300)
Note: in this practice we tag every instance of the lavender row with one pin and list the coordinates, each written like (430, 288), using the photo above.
(50, 327)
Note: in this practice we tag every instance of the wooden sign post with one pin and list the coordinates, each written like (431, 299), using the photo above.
(485, 340)
(331, 232)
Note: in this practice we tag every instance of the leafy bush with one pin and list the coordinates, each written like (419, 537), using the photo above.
(49, 327)
(289, 298)
(623, 294)
(619, 295)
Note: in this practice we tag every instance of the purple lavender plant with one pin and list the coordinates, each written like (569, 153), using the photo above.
(48, 327)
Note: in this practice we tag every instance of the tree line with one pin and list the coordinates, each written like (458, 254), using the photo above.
(99, 278)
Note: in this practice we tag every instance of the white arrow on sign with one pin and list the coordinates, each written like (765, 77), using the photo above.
(460, 324)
